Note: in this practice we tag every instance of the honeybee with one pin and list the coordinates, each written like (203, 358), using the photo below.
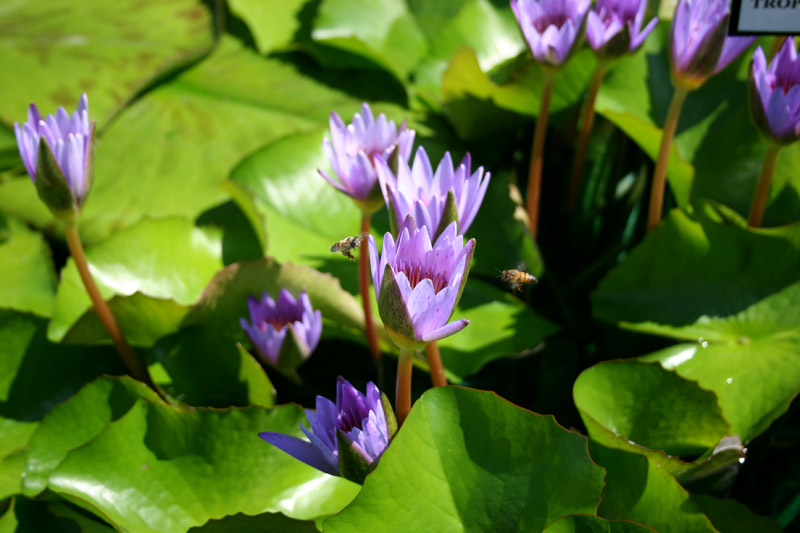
(347, 245)
(516, 278)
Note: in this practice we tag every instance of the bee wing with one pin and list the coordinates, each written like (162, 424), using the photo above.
(336, 247)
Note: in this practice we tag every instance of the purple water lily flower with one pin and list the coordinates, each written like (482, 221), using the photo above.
(775, 93)
(419, 284)
(272, 320)
(551, 27)
(434, 199)
(614, 27)
(352, 148)
(347, 437)
(699, 45)
(69, 140)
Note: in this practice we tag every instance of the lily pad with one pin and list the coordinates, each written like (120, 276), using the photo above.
(584, 523)
(160, 458)
(468, 460)
(167, 259)
(110, 50)
(26, 268)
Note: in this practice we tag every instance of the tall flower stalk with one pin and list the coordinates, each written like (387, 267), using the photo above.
(774, 91)
(58, 154)
(551, 29)
(698, 49)
(613, 28)
(351, 152)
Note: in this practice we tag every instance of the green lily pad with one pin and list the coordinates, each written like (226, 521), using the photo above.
(754, 381)
(199, 367)
(166, 259)
(694, 277)
(26, 268)
(109, 50)
(650, 406)
(640, 490)
(38, 374)
(160, 458)
(273, 24)
(468, 460)
(14, 436)
(189, 133)
(584, 523)
(264, 522)
(730, 516)
(224, 301)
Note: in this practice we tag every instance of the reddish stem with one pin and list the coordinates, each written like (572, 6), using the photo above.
(363, 287)
(660, 173)
(435, 364)
(583, 142)
(101, 307)
(537, 152)
(762, 189)
(405, 367)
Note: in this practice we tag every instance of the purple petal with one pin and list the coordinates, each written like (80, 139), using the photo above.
(731, 49)
(446, 330)
(299, 449)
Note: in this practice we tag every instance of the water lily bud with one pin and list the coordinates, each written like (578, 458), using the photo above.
(58, 154)
(698, 43)
(614, 27)
(346, 438)
(351, 151)
(419, 284)
(285, 331)
(433, 199)
(551, 27)
(775, 94)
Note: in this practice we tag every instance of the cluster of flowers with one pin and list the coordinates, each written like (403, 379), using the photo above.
(418, 279)
(420, 274)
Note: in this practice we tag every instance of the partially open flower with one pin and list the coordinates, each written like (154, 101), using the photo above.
(347, 437)
(551, 27)
(775, 94)
(699, 46)
(419, 284)
(433, 199)
(614, 27)
(283, 331)
(61, 166)
(352, 148)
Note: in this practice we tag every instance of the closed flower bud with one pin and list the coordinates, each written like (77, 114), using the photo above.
(775, 94)
(551, 27)
(698, 43)
(58, 154)
(614, 27)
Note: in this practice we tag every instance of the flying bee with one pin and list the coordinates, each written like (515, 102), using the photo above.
(347, 245)
(516, 278)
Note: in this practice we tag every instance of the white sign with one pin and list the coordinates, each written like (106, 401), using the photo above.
(765, 17)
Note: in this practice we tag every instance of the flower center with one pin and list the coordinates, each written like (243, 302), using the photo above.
(784, 82)
(416, 273)
(555, 19)
(281, 319)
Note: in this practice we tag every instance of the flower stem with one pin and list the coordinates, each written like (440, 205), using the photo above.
(660, 174)
(435, 364)
(405, 367)
(537, 152)
(363, 287)
(583, 142)
(101, 307)
(762, 189)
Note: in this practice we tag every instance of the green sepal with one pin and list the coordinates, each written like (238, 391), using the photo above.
(388, 413)
(393, 227)
(617, 46)
(52, 186)
(353, 464)
(89, 165)
(449, 215)
(466, 275)
(293, 353)
(394, 313)
(393, 161)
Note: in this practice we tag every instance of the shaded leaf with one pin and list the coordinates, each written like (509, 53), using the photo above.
(469, 460)
(26, 269)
